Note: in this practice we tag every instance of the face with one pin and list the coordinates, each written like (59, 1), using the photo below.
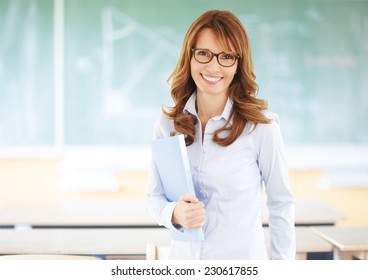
(211, 78)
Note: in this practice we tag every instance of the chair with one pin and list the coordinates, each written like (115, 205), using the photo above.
(47, 257)
(154, 252)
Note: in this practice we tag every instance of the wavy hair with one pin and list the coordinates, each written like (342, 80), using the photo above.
(243, 89)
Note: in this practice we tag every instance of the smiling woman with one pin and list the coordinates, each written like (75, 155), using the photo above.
(234, 145)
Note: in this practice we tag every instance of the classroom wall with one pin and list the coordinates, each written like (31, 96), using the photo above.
(36, 181)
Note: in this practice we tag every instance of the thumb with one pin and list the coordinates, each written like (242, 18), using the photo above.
(188, 198)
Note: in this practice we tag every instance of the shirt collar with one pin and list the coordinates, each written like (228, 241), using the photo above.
(190, 107)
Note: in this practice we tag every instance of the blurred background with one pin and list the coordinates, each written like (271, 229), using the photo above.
(82, 83)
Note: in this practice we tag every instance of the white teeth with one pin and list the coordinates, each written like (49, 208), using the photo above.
(211, 79)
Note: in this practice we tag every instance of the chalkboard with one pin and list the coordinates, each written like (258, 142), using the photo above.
(311, 62)
(26, 73)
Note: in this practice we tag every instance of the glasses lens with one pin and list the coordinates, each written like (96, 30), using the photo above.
(202, 56)
(227, 59)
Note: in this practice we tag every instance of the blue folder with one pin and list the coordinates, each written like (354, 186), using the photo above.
(171, 159)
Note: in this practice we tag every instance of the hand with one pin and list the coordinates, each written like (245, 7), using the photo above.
(189, 212)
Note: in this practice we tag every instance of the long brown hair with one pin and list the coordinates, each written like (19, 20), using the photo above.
(243, 89)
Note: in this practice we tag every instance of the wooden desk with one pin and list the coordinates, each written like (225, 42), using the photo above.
(127, 213)
(307, 241)
(348, 242)
(117, 243)
(310, 213)
(124, 243)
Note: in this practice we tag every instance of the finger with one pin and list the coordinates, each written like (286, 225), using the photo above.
(194, 206)
(197, 205)
(196, 224)
(197, 212)
(188, 198)
(197, 220)
(194, 215)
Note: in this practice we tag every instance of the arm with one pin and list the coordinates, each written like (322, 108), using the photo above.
(157, 205)
(280, 201)
(188, 212)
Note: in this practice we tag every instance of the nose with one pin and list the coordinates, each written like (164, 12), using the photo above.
(213, 65)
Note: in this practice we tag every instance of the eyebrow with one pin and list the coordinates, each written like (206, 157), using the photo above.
(232, 52)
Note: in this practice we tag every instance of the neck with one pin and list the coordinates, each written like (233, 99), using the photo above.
(209, 106)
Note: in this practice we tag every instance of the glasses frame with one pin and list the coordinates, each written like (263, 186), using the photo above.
(237, 56)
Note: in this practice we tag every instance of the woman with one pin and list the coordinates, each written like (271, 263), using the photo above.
(234, 146)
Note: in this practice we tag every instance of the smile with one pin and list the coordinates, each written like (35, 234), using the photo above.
(211, 79)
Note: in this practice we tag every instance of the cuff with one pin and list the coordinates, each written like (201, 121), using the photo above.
(167, 215)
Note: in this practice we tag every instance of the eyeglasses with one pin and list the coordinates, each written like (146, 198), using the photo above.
(224, 59)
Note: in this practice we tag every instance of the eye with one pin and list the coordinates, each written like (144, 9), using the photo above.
(227, 56)
(203, 53)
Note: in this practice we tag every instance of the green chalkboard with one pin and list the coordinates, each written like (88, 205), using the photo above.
(311, 62)
(26, 73)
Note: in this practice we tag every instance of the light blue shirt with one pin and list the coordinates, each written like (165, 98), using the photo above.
(229, 181)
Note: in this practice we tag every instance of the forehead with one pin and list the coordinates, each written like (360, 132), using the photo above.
(208, 39)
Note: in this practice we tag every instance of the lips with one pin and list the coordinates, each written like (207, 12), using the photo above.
(212, 79)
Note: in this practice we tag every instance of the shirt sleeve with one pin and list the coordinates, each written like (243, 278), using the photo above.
(280, 201)
(157, 205)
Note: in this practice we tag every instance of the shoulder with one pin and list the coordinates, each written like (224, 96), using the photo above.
(268, 129)
(273, 117)
(274, 123)
(163, 127)
(268, 137)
